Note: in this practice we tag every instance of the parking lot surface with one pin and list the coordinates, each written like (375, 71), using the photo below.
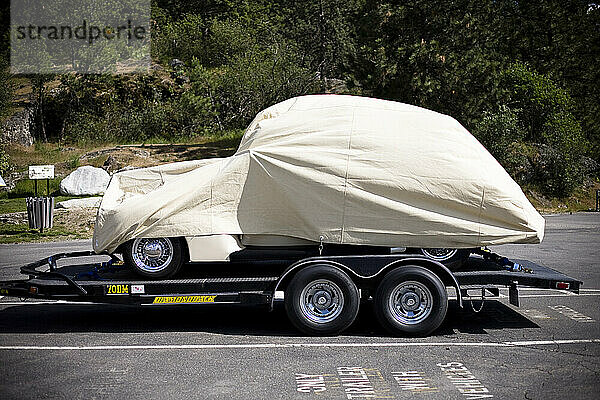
(547, 348)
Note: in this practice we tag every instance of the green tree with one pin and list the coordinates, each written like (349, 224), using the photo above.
(536, 137)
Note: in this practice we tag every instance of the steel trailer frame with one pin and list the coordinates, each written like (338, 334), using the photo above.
(245, 283)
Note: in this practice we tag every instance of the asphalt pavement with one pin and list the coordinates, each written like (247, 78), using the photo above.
(548, 348)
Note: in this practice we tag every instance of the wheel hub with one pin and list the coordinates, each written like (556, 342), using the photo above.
(321, 301)
(153, 249)
(411, 302)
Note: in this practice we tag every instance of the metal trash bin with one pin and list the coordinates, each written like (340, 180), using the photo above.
(40, 212)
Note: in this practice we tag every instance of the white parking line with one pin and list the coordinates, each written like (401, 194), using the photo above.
(305, 345)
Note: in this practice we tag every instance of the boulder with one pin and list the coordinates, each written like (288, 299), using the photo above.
(88, 202)
(86, 180)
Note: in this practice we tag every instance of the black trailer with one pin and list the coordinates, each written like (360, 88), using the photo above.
(322, 294)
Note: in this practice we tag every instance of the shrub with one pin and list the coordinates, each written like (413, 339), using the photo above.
(545, 109)
(541, 117)
(497, 131)
(502, 135)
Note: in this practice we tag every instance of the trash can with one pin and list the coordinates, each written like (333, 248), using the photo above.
(40, 212)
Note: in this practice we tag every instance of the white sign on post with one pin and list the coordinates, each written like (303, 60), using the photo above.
(41, 172)
(2, 182)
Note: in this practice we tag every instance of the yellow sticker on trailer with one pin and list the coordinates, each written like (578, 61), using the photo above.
(117, 289)
(183, 299)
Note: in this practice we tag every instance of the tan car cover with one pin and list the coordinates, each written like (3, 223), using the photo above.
(353, 170)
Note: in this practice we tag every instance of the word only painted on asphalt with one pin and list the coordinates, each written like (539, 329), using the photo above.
(414, 381)
(572, 314)
(466, 383)
(348, 382)
(370, 383)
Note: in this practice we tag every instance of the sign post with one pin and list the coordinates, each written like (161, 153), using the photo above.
(38, 172)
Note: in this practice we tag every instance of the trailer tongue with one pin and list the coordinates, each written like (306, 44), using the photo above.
(322, 294)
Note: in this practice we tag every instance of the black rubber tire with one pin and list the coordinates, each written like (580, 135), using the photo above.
(170, 270)
(439, 301)
(453, 263)
(304, 278)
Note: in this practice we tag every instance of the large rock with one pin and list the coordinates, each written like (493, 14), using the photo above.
(88, 202)
(86, 180)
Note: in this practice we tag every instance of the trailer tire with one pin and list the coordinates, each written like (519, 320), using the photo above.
(321, 300)
(156, 258)
(411, 300)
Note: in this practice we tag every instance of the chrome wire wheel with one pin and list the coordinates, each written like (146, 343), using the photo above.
(410, 302)
(152, 255)
(321, 301)
(439, 254)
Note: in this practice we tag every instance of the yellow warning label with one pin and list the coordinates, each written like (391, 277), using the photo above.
(183, 299)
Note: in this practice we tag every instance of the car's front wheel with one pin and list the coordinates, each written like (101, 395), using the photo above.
(154, 258)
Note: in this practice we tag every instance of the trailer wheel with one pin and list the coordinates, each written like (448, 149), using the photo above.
(411, 300)
(321, 300)
(154, 258)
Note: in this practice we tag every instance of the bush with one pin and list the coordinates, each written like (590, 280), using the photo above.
(557, 174)
(502, 135)
(541, 117)
(497, 131)
(545, 109)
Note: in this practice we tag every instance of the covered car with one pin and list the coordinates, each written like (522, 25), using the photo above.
(334, 169)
